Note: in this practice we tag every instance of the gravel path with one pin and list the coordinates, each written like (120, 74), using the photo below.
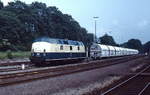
(73, 84)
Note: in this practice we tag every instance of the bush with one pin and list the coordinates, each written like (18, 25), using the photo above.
(14, 54)
(9, 54)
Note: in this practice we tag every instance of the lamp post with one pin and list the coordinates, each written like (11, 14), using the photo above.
(95, 18)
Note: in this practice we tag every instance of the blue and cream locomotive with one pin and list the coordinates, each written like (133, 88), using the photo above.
(50, 49)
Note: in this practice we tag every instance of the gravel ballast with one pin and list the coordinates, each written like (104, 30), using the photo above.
(72, 84)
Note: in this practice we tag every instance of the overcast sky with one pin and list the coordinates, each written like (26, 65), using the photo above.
(123, 19)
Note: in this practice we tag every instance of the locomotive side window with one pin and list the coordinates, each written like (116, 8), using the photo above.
(78, 48)
(61, 47)
(70, 47)
(44, 50)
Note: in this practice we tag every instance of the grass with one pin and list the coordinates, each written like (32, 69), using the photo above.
(9, 54)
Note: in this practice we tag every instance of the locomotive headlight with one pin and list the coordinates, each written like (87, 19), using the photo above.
(38, 54)
(44, 54)
(32, 50)
(32, 54)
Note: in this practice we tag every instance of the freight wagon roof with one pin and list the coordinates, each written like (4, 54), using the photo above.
(111, 48)
(103, 47)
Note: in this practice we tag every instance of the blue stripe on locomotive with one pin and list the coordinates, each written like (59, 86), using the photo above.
(58, 55)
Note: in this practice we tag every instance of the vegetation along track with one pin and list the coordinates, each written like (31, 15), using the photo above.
(14, 77)
(135, 84)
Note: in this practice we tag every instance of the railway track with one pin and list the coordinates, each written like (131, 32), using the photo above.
(6, 67)
(14, 77)
(15, 63)
(134, 84)
(16, 67)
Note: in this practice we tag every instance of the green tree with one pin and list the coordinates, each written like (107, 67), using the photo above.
(22, 23)
(1, 5)
(9, 27)
(146, 47)
(134, 44)
(4, 44)
(107, 40)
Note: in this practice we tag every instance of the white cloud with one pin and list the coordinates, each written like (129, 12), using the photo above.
(115, 22)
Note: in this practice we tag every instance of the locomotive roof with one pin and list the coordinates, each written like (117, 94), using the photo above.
(58, 41)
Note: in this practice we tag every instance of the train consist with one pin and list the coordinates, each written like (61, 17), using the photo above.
(98, 51)
(50, 49)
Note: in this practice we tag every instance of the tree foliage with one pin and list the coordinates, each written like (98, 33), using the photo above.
(22, 23)
(134, 44)
(107, 40)
(146, 47)
(1, 5)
